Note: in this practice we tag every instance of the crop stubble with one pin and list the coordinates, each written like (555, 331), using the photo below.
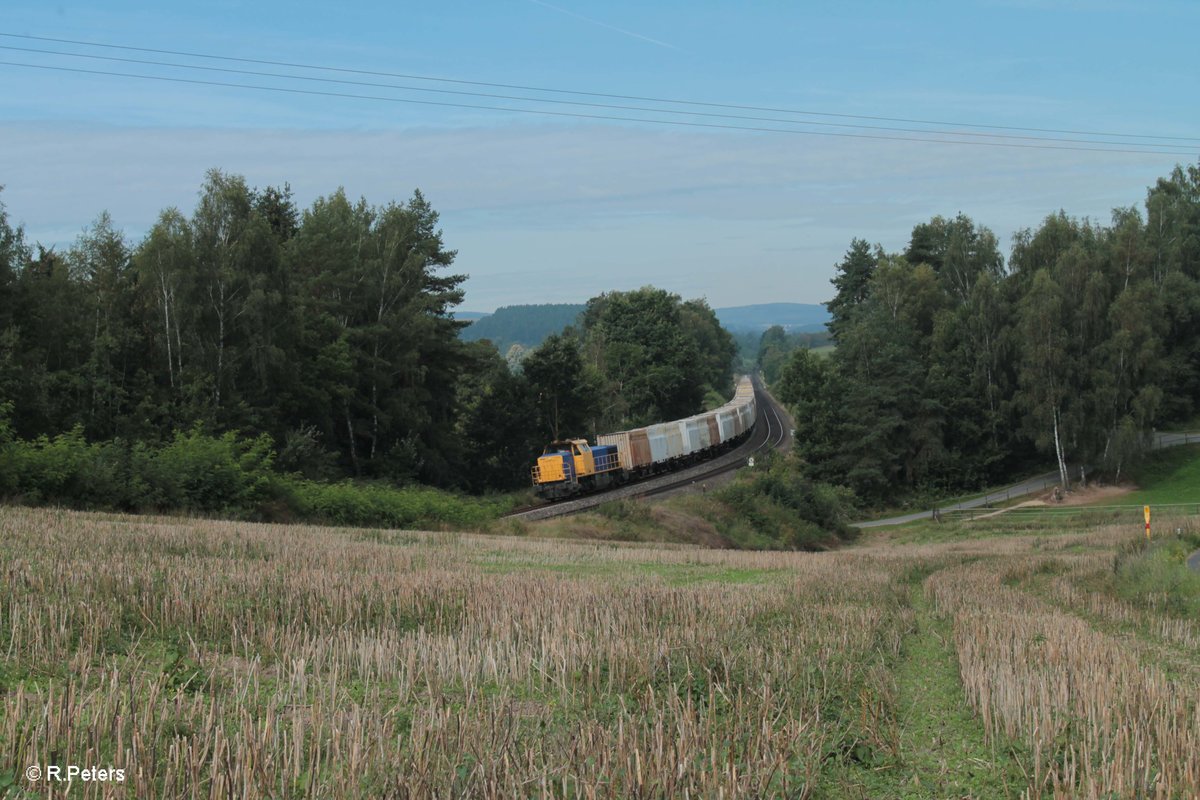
(215, 659)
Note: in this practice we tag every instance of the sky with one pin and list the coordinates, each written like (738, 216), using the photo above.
(756, 205)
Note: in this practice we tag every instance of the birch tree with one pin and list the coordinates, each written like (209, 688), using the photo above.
(164, 264)
(1042, 365)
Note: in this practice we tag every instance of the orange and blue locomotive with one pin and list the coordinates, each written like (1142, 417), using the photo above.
(572, 467)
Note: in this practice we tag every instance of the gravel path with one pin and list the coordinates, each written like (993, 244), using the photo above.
(1025, 487)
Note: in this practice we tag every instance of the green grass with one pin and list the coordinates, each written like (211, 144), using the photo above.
(1167, 476)
(955, 528)
(934, 746)
(1157, 576)
(1171, 475)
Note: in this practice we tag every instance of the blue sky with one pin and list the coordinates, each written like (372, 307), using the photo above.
(557, 209)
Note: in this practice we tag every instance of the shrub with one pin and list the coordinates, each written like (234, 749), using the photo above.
(778, 503)
(67, 470)
(198, 472)
(347, 503)
(1157, 576)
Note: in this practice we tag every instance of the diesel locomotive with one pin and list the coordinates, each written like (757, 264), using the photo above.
(572, 466)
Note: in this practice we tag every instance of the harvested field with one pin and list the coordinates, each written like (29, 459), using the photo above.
(221, 659)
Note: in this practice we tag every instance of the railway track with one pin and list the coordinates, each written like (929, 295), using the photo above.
(772, 431)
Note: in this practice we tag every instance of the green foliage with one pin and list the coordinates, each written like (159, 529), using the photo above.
(66, 469)
(776, 346)
(1157, 576)
(853, 284)
(951, 373)
(778, 505)
(328, 331)
(200, 473)
(378, 505)
(496, 428)
(747, 343)
(562, 388)
(655, 355)
(206, 473)
(195, 472)
(958, 251)
(303, 453)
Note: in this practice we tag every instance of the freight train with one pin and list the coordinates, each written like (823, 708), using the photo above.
(573, 466)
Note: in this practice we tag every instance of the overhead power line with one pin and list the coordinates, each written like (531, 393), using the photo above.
(924, 135)
(524, 98)
(439, 79)
(578, 115)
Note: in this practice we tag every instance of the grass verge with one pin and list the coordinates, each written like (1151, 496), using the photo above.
(939, 748)
(1171, 475)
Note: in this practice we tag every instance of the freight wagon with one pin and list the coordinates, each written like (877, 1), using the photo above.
(573, 467)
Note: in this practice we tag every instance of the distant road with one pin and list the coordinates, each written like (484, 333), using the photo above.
(1025, 487)
(1171, 439)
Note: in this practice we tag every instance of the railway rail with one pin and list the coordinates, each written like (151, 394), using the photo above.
(772, 431)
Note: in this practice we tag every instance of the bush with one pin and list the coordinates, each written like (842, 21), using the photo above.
(780, 497)
(778, 505)
(347, 503)
(198, 472)
(67, 470)
(1157, 576)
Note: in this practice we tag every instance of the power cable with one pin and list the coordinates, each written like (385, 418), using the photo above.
(256, 73)
(768, 109)
(579, 115)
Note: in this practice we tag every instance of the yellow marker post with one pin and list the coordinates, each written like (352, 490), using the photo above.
(1146, 511)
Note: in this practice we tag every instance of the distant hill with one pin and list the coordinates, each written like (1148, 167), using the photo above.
(524, 325)
(793, 317)
(528, 325)
(468, 316)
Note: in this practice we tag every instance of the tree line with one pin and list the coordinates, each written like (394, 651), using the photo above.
(773, 349)
(955, 369)
(327, 329)
(326, 333)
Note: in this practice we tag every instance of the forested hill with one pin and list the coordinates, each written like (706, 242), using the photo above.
(526, 325)
(792, 317)
(529, 325)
